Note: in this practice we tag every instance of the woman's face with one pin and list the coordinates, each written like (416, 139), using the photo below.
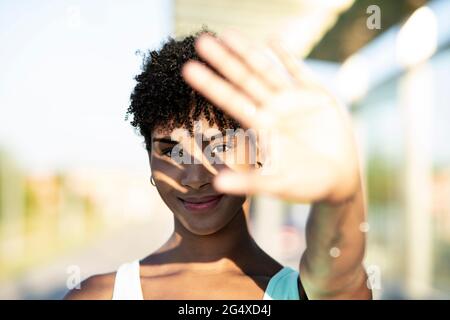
(184, 165)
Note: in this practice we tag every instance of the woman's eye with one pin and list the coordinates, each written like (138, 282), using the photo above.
(168, 152)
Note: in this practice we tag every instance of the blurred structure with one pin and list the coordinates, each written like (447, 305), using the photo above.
(301, 23)
(350, 32)
(395, 87)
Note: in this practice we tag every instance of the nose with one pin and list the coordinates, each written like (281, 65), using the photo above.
(196, 176)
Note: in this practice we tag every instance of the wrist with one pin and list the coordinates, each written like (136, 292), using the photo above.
(343, 193)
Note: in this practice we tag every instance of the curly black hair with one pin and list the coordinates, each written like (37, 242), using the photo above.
(161, 97)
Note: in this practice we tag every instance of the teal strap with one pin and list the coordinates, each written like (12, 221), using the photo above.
(283, 285)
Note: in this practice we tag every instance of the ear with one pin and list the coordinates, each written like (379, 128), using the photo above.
(148, 146)
(150, 157)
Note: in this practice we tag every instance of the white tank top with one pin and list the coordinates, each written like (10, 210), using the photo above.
(127, 286)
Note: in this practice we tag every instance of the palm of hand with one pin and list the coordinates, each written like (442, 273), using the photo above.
(311, 155)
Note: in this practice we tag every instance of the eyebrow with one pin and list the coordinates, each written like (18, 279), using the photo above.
(165, 140)
(170, 141)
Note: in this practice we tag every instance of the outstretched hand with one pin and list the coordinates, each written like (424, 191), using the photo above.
(313, 154)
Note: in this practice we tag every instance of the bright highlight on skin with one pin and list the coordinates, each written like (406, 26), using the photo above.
(364, 227)
(335, 252)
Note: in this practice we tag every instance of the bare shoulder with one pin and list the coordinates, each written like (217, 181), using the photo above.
(96, 287)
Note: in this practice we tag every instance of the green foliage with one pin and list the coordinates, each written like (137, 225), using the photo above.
(383, 178)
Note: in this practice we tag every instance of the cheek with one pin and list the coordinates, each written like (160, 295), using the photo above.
(237, 201)
(167, 175)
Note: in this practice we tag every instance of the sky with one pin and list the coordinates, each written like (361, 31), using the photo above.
(66, 74)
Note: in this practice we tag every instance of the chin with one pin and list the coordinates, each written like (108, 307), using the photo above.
(208, 222)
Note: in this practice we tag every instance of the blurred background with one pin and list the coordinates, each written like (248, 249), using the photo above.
(74, 176)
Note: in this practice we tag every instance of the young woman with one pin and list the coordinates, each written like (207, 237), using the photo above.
(192, 148)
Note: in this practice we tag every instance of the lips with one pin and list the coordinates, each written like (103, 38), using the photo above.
(201, 203)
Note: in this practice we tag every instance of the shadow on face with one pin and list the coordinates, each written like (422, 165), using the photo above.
(184, 165)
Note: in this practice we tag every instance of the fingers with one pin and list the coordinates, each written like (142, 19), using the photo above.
(220, 92)
(307, 186)
(295, 68)
(255, 183)
(232, 68)
(243, 183)
(255, 59)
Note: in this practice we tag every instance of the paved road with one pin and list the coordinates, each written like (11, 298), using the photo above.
(132, 241)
